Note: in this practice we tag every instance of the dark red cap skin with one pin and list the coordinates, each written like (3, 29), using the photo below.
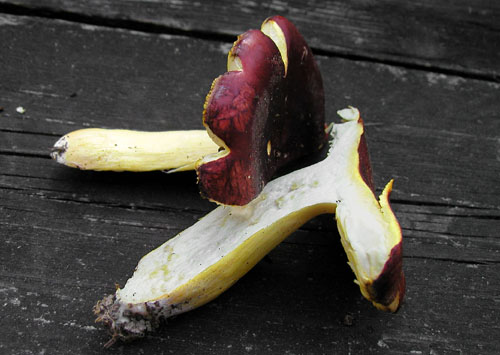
(248, 109)
(365, 167)
(391, 283)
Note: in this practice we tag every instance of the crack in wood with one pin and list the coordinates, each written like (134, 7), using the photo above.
(428, 231)
(129, 207)
(101, 21)
(7, 130)
(456, 261)
(442, 204)
(407, 65)
(21, 176)
(25, 154)
(58, 231)
(458, 215)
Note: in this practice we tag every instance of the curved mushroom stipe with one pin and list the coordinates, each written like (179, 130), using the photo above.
(125, 150)
(203, 261)
(267, 111)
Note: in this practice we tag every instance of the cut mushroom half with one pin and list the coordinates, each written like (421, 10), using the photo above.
(264, 113)
(203, 261)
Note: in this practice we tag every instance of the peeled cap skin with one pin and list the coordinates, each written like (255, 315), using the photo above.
(203, 261)
(266, 112)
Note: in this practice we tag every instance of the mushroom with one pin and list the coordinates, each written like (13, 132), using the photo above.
(265, 112)
(203, 261)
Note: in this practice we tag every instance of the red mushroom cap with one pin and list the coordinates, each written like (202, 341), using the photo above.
(266, 114)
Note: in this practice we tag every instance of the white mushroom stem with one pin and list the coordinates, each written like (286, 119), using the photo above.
(125, 150)
(207, 258)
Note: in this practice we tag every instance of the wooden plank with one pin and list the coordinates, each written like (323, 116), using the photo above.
(444, 145)
(68, 235)
(459, 36)
(87, 82)
(107, 241)
(154, 213)
(56, 311)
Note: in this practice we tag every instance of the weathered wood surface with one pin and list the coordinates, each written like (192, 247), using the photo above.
(461, 36)
(68, 235)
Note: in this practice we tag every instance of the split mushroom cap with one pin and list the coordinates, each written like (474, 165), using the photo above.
(203, 261)
(266, 111)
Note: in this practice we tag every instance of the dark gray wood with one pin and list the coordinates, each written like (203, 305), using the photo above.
(460, 36)
(449, 125)
(67, 236)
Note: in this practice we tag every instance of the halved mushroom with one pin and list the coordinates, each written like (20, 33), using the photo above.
(206, 259)
(265, 112)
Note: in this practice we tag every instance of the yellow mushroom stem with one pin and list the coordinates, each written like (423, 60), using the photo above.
(125, 150)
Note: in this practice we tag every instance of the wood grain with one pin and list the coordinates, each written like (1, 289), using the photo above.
(449, 125)
(458, 36)
(67, 235)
